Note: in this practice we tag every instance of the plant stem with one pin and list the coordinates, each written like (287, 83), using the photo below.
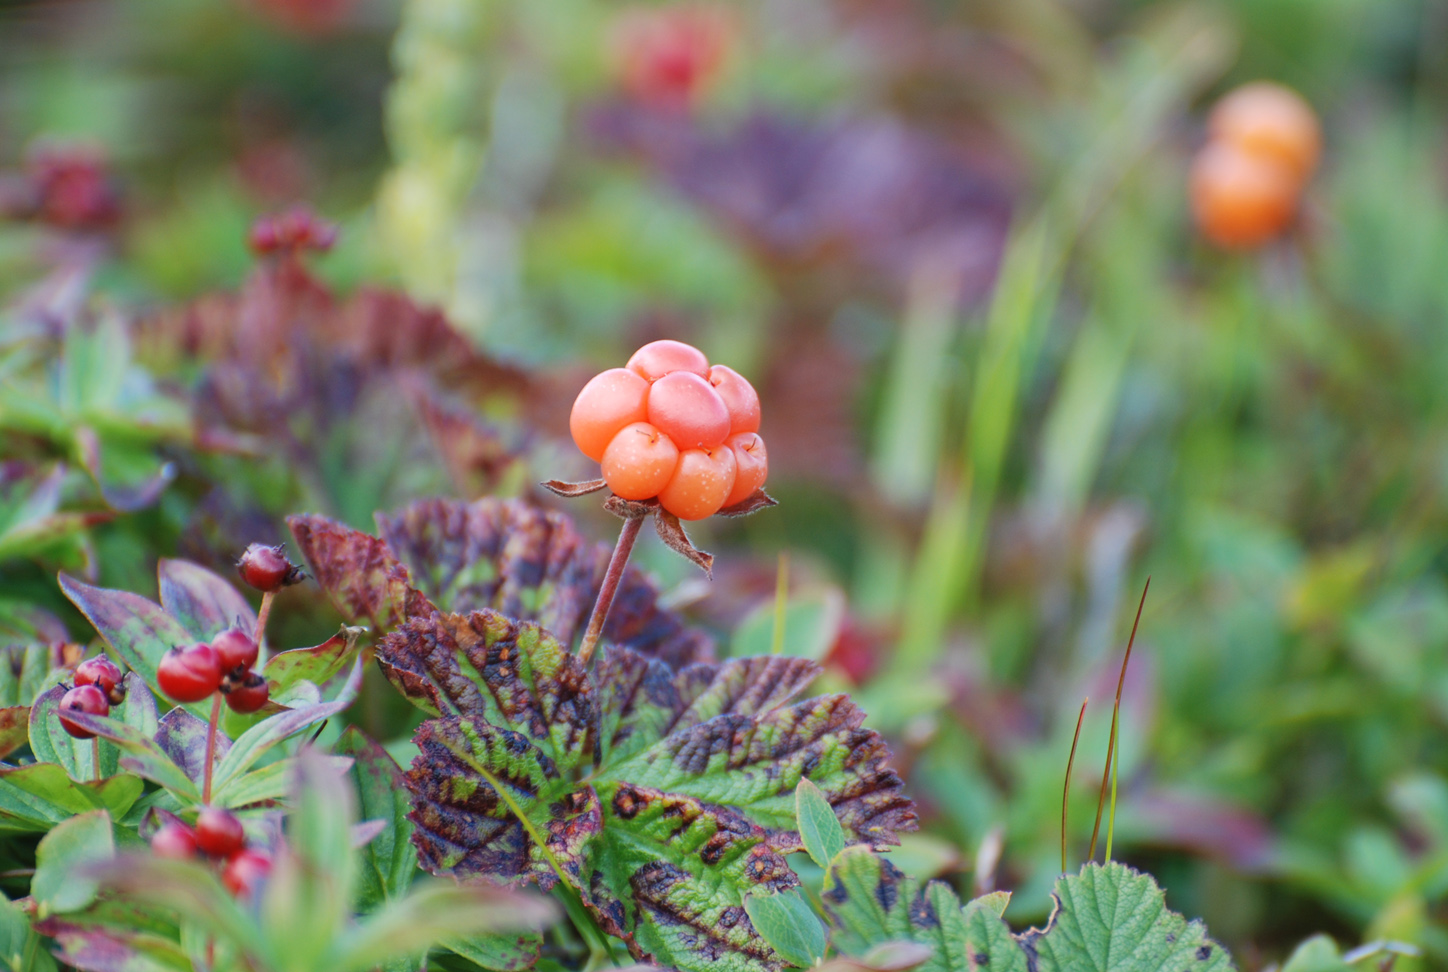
(1106, 776)
(781, 597)
(211, 745)
(96, 757)
(1066, 790)
(616, 564)
(261, 616)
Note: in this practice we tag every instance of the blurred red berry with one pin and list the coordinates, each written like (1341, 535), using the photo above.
(189, 674)
(103, 673)
(219, 833)
(246, 872)
(83, 698)
(235, 648)
(175, 841)
(291, 232)
(669, 56)
(267, 568)
(72, 188)
(247, 693)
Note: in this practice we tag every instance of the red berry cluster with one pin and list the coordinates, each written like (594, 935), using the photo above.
(670, 427)
(267, 568)
(96, 688)
(219, 836)
(291, 232)
(194, 673)
(68, 187)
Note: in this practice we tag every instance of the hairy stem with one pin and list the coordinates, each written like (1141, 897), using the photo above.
(616, 564)
(261, 616)
(211, 746)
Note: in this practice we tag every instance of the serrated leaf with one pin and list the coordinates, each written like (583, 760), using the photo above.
(139, 631)
(388, 859)
(787, 923)
(360, 574)
(819, 829)
(203, 602)
(465, 826)
(1114, 919)
(62, 882)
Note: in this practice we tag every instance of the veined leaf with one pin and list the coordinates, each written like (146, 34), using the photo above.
(203, 602)
(359, 573)
(1107, 919)
(140, 753)
(37, 796)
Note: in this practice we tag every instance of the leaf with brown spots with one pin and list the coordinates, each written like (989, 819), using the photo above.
(359, 572)
(670, 875)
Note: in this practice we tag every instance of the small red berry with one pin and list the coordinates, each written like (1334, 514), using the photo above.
(245, 873)
(246, 694)
(101, 672)
(267, 568)
(219, 833)
(235, 648)
(189, 675)
(82, 698)
(175, 841)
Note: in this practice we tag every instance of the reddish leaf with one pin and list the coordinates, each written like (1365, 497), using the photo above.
(357, 571)
(14, 728)
(203, 602)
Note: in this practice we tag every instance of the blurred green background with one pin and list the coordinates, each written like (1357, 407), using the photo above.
(1003, 379)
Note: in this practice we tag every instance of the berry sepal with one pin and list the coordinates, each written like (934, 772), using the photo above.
(753, 503)
(573, 490)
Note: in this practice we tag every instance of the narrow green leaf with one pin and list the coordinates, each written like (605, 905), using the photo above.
(140, 754)
(388, 860)
(317, 665)
(787, 923)
(61, 881)
(819, 828)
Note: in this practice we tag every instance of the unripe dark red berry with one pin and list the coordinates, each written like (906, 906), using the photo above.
(190, 674)
(101, 672)
(235, 648)
(219, 833)
(247, 693)
(175, 841)
(245, 873)
(82, 698)
(267, 568)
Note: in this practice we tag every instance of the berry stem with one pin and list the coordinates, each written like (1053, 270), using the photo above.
(96, 758)
(1066, 790)
(211, 746)
(616, 564)
(261, 617)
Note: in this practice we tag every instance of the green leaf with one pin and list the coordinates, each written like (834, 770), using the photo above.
(317, 665)
(272, 782)
(819, 828)
(117, 950)
(61, 881)
(52, 744)
(499, 951)
(39, 795)
(434, 911)
(139, 754)
(139, 631)
(787, 923)
(260, 738)
(201, 601)
(812, 623)
(1107, 919)
(388, 860)
(1318, 954)
(1114, 919)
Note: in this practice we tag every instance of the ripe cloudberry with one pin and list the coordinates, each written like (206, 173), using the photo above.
(671, 427)
(103, 673)
(83, 698)
(235, 648)
(245, 693)
(219, 833)
(1269, 120)
(189, 674)
(267, 568)
(174, 841)
(245, 873)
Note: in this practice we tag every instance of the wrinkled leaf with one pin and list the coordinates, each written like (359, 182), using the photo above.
(359, 573)
(499, 951)
(39, 795)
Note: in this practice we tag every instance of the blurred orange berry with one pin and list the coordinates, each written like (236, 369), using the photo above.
(1241, 200)
(1272, 121)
